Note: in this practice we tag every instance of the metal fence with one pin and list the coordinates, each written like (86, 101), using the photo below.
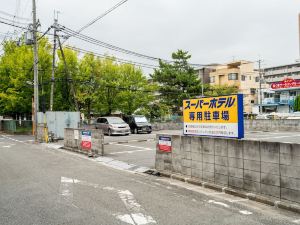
(17, 126)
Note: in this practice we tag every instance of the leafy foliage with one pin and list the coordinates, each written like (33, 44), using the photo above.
(16, 75)
(177, 81)
(297, 104)
(218, 90)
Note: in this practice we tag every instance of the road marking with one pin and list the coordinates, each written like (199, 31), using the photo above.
(239, 200)
(218, 203)
(130, 152)
(245, 212)
(132, 146)
(120, 165)
(66, 190)
(138, 214)
(296, 221)
(6, 146)
(7, 137)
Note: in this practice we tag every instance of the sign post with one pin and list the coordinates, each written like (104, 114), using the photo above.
(214, 116)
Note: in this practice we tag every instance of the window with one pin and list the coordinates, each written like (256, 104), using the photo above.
(256, 79)
(252, 101)
(243, 77)
(212, 79)
(252, 91)
(232, 76)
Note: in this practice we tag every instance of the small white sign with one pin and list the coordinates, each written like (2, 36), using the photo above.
(76, 134)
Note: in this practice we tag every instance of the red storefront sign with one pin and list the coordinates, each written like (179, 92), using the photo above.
(286, 83)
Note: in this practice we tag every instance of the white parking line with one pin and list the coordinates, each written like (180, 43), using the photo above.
(245, 212)
(132, 146)
(130, 152)
(218, 203)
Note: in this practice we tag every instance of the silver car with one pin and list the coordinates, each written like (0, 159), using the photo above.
(112, 125)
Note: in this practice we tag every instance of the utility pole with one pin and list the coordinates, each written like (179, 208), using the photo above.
(35, 65)
(260, 83)
(53, 64)
(68, 78)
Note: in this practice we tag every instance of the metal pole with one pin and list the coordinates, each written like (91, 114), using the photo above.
(53, 66)
(202, 82)
(260, 89)
(35, 64)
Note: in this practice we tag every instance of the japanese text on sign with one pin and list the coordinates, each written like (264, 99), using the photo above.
(214, 116)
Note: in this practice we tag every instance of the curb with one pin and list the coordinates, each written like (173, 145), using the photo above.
(271, 201)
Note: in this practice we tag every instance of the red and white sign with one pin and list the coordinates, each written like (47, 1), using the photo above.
(286, 83)
(86, 140)
(165, 144)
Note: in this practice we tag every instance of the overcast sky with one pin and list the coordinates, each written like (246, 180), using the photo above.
(213, 31)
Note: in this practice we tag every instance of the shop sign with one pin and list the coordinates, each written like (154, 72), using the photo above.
(286, 83)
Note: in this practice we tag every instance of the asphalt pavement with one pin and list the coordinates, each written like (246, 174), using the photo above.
(41, 185)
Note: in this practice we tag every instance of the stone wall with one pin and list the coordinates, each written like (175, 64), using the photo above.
(250, 125)
(267, 168)
(75, 144)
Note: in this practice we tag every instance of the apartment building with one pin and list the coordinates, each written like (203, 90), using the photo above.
(284, 84)
(242, 75)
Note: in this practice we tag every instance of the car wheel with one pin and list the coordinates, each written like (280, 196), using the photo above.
(149, 132)
(109, 132)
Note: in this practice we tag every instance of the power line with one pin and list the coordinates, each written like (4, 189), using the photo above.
(102, 15)
(13, 21)
(98, 18)
(145, 65)
(94, 41)
(14, 25)
(10, 15)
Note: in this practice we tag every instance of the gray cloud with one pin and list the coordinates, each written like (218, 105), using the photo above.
(213, 31)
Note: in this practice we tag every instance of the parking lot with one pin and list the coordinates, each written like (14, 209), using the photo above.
(139, 149)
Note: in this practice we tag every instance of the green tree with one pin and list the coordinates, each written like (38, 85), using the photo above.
(87, 83)
(16, 74)
(136, 92)
(65, 77)
(177, 81)
(218, 90)
(297, 104)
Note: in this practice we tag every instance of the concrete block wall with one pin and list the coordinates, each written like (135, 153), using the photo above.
(250, 125)
(268, 168)
(272, 125)
(75, 144)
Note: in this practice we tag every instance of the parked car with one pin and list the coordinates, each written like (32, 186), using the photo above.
(138, 124)
(112, 126)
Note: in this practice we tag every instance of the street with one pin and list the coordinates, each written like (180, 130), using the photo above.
(40, 185)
